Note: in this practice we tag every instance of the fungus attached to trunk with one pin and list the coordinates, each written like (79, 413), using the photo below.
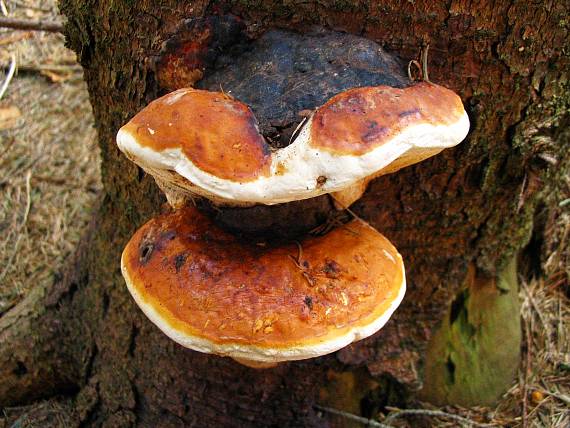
(262, 303)
(197, 142)
(214, 290)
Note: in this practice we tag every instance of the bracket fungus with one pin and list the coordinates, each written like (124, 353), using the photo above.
(197, 142)
(212, 292)
(300, 296)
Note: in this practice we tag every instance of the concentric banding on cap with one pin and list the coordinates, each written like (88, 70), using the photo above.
(357, 135)
(212, 293)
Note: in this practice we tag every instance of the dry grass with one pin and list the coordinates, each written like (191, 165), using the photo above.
(49, 164)
(49, 178)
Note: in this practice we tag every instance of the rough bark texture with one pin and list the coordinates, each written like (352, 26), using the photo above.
(458, 219)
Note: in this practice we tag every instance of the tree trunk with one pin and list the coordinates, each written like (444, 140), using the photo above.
(458, 219)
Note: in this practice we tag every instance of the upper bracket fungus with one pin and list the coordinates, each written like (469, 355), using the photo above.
(197, 142)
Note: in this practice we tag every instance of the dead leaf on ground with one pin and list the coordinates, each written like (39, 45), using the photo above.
(58, 73)
(9, 116)
(54, 77)
(15, 37)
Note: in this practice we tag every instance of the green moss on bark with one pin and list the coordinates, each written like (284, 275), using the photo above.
(474, 354)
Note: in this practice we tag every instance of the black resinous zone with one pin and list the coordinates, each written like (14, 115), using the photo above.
(283, 74)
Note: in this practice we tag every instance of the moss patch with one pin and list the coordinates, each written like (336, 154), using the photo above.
(473, 356)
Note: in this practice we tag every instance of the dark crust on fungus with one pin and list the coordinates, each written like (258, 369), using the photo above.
(359, 120)
(215, 132)
(291, 74)
(206, 283)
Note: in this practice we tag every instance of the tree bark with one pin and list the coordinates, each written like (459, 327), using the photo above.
(458, 219)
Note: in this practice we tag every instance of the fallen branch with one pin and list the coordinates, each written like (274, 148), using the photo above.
(34, 25)
(434, 414)
(364, 421)
(397, 413)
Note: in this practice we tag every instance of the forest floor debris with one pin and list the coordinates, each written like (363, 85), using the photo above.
(49, 161)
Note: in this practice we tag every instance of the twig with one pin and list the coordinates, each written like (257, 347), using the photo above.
(402, 413)
(57, 181)
(364, 421)
(28, 199)
(418, 66)
(337, 218)
(10, 259)
(300, 126)
(358, 218)
(18, 166)
(432, 413)
(526, 372)
(9, 76)
(12, 68)
(301, 267)
(297, 260)
(226, 94)
(300, 255)
(20, 227)
(69, 68)
(34, 25)
(520, 203)
(537, 310)
(422, 68)
(424, 56)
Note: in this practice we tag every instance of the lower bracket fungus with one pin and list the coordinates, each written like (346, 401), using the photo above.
(262, 304)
